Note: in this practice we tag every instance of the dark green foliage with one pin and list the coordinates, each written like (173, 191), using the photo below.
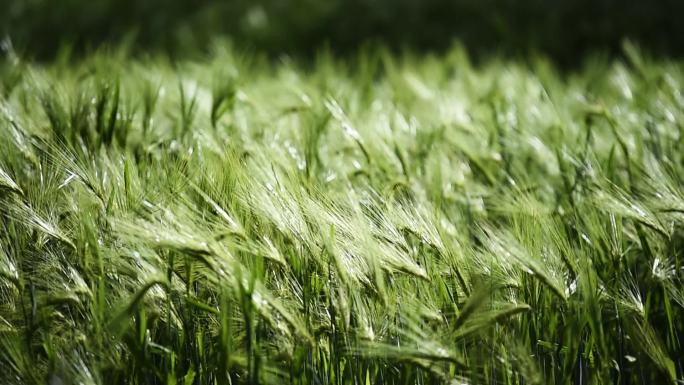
(562, 29)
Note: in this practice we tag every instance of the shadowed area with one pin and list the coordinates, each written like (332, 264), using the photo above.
(564, 30)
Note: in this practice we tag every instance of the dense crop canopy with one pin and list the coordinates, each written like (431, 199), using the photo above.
(382, 220)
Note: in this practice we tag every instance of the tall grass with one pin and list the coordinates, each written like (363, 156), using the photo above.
(384, 220)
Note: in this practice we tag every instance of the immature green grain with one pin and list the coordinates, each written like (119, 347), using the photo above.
(386, 219)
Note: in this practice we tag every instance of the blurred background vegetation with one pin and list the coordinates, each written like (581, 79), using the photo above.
(565, 30)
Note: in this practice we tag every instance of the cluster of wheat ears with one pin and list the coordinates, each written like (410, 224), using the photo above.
(381, 219)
